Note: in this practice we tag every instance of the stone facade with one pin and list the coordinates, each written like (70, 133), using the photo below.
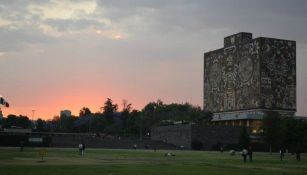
(250, 74)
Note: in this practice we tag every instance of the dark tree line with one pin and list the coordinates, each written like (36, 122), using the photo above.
(14, 121)
(282, 132)
(111, 120)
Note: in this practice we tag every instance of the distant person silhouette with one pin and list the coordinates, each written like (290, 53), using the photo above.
(21, 145)
(221, 149)
(250, 154)
(80, 148)
(281, 154)
(298, 154)
(83, 149)
(244, 154)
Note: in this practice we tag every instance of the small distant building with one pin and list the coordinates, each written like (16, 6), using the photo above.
(66, 113)
(248, 77)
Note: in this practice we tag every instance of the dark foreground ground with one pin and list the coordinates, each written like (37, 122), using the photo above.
(139, 162)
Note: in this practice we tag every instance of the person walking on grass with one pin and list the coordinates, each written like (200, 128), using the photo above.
(222, 149)
(298, 155)
(134, 146)
(250, 154)
(80, 149)
(83, 149)
(21, 145)
(244, 154)
(281, 154)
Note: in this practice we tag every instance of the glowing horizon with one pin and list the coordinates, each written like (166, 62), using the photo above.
(45, 113)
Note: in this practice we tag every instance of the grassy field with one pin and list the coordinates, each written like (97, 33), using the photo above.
(139, 162)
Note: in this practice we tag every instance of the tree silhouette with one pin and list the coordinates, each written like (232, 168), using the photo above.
(109, 109)
(273, 129)
(16, 121)
(84, 111)
(125, 115)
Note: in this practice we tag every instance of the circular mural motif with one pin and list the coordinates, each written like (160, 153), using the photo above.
(245, 69)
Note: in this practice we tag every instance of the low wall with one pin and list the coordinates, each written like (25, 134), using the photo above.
(198, 137)
(179, 135)
(67, 140)
(213, 137)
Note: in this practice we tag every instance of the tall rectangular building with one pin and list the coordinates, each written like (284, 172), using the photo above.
(249, 76)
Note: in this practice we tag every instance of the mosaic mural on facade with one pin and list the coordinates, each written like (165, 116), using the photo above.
(250, 74)
(278, 74)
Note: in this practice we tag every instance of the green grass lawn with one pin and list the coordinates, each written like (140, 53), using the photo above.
(139, 162)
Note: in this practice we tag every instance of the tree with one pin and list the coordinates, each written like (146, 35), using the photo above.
(40, 123)
(109, 109)
(67, 123)
(273, 129)
(54, 124)
(201, 117)
(16, 121)
(99, 122)
(127, 107)
(134, 122)
(125, 114)
(244, 139)
(152, 114)
(295, 133)
(139, 120)
(84, 111)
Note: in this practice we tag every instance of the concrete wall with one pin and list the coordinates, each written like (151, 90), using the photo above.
(116, 143)
(186, 134)
(179, 135)
(211, 136)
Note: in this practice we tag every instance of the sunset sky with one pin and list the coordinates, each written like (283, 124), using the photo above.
(57, 55)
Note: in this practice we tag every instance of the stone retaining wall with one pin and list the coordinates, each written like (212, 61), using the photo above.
(187, 135)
